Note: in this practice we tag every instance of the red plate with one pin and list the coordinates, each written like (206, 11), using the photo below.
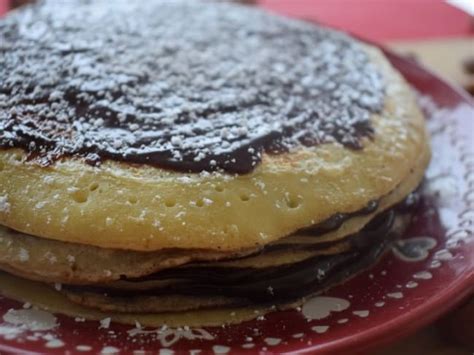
(425, 274)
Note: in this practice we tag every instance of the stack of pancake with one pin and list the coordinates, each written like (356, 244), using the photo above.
(172, 156)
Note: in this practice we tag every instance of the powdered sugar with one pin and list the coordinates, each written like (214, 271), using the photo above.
(23, 255)
(207, 84)
(4, 204)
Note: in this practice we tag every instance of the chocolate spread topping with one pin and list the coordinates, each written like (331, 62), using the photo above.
(337, 219)
(183, 85)
(253, 285)
(277, 283)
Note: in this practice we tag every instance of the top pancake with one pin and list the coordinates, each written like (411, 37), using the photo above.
(290, 124)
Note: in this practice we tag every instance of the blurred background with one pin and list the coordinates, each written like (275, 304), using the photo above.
(438, 34)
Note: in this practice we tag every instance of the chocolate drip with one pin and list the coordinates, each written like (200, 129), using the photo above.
(272, 284)
(277, 283)
(179, 85)
(336, 220)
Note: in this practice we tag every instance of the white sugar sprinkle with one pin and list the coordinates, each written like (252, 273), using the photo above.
(4, 204)
(307, 83)
(23, 255)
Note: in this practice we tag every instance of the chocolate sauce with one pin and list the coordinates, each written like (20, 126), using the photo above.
(277, 283)
(180, 85)
(336, 220)
(271, 284)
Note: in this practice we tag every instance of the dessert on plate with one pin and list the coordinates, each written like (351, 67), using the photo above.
(165, 158)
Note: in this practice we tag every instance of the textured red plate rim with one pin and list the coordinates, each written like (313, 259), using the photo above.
(435, 306)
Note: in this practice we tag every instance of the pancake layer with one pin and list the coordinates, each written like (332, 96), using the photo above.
(43, 296)
(242, 283)
(54, 261)
(211, 285)
(168, 158)
(117, 204)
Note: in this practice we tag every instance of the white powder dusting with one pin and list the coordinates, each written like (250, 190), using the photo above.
(50, 257)
(308, 83)
(23, 255)
(207, 201)
(4, 204)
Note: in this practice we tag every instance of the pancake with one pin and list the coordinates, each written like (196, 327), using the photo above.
(61, 262)
(137, 200)
(171, 160)
(217, 285)
(41, 295)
